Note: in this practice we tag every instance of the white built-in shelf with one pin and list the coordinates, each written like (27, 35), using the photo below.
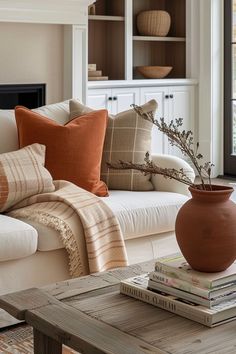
(141, 83)
(159, 39)
(106, 18)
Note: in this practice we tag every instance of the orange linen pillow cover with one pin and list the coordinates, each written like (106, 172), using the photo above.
(73, 151)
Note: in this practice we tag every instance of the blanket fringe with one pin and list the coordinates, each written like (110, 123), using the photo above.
(87, 227)
(65, 233)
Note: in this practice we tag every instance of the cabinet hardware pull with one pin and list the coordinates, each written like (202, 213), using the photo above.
(109, 98)
(171, 96)
(115, 98)
(167, 96)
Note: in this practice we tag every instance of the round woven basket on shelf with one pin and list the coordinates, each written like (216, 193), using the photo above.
(154, 23)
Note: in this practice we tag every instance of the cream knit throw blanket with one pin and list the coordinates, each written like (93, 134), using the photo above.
(94, 246)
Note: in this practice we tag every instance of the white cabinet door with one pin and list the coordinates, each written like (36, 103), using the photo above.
(123, 98)
(99, 99)
(159, 141)
(114, 100)
(181, 105)
(173, 102)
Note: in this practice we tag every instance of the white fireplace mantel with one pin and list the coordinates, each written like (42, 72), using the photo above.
(73, 14)
(44, 11)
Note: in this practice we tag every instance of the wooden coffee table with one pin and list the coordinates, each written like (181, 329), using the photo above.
(90, 315)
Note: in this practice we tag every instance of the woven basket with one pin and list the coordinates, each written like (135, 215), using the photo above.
(153, 23)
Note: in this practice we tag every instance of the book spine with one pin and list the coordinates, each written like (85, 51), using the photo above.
(166, 303)
(179, 284)
(174, 273)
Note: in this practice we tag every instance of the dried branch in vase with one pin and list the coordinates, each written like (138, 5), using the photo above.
(184, 141)
(149, 167)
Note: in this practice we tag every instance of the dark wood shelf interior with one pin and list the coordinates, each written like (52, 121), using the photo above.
(106, 48)
(162, 53)
(110, 7)
(107, 39)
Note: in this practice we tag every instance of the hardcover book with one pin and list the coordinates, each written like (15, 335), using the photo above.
(137, 287)
(214, 293)
(153, 285)
(175, 266)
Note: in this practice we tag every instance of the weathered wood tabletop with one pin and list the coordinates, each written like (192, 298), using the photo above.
(89, 315)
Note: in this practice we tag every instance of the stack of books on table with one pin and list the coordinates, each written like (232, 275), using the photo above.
(207, 298)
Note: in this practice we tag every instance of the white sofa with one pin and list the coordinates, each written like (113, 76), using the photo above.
(32, 255)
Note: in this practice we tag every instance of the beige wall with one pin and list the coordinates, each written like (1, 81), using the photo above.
(32, 53)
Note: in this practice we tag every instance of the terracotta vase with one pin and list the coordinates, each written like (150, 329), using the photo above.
(206, 229)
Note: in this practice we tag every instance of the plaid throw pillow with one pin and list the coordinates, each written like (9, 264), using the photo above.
(22, 174)
(128, 138)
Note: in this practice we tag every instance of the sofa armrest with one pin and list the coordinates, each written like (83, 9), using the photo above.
(170, 185)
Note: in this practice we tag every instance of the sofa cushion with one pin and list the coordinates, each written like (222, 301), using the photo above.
(17, 239)
(145, 213)
(128, 138)
(58, 112)
(22, 174)
(8, 131)
(140, 214)
(73, 150)
(48, 238)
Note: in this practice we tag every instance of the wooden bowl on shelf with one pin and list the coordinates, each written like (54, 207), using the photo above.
(154, 72)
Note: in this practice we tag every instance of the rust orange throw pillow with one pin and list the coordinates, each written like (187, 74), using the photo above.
(73, 151)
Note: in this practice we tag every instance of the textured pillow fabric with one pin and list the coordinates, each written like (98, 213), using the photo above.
(22, 174)
(73, 151)
(128, 138)
(56, 111)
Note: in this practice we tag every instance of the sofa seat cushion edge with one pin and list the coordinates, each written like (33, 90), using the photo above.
(17, 239)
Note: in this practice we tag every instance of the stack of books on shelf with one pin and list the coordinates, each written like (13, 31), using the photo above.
(94, 74)
(207, 298)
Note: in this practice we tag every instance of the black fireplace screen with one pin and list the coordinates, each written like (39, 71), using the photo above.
(28, 95)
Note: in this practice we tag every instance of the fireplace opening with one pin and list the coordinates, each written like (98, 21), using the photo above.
(28, 95)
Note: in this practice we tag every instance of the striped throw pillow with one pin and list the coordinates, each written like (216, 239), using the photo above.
(22, 174)
(128, 138)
